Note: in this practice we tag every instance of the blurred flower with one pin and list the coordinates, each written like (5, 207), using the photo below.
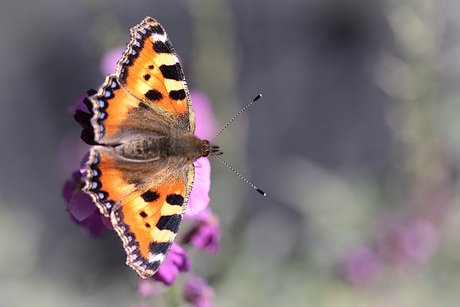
(198, 292)
(401, 244)
(149, 287)
(176, 261)
(414, 240)
(205, 235)
(362, 266)
(71, 186)
(421, 240)
(199, 197)
(81, 208)
(110, 59)
(206, 123)
(79, 105)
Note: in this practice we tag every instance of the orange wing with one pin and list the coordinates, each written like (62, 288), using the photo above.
(146, 209)
(148, 89)
(148, 219)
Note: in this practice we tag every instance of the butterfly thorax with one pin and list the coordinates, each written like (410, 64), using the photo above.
(181, 145)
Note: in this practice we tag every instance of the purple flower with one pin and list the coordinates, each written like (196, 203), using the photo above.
(110, 59)
(176, 261)
(420, 240)
(82, 209)
(362, 266)
(199, 197)
(79, 105)
(205, 235)
(198, 292)
(71, 186)
(404, 242)
(149, 287)
(206, 124)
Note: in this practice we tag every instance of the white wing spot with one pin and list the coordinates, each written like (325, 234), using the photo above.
(157, 257)
(159, 37)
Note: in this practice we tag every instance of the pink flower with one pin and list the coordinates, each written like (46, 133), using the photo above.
(176, 261)
(205, 235)
(420, 240)
(199, 197)
(110, 59)
(206, 124)
(408, 241)
(81, 208)
(362, 266)
(198, 292)
(149, 287)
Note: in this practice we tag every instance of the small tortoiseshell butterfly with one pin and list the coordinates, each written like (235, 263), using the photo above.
(140, 168)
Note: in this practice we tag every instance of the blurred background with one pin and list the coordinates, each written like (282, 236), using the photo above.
(355, 141)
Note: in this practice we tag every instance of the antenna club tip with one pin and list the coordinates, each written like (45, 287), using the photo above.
(257, 97)
(261, 192)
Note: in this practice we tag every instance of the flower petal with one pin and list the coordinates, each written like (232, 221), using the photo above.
(109, 61)
(198, 292)
(206, 124)
(199, 197)
(205, 235)
(81, 206)
(176, 261)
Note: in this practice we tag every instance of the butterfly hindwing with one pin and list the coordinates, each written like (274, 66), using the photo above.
(110, 177)
(147, 220)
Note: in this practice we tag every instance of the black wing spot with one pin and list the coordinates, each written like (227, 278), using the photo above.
(177, 95)
(169, 222)
(157, 30)
(153, 95)
(172, 72)
(149, 197)
(159, 247)
(175, 199)
(162, 47)
(147, 77)
(143, 214)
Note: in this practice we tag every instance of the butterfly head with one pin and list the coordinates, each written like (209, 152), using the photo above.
(210, 149)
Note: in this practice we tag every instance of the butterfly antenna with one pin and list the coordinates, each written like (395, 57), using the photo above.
(236, 115)
(241, 177)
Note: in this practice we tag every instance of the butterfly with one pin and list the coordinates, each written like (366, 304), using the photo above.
(140, 168)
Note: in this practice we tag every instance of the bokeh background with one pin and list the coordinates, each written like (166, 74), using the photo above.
(356, 141)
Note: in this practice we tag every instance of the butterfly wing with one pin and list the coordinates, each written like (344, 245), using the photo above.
(148, 89)
(146, 205)
(147, 96)
(148, 219)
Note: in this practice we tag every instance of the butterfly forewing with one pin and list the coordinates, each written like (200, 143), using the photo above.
(150, 70)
